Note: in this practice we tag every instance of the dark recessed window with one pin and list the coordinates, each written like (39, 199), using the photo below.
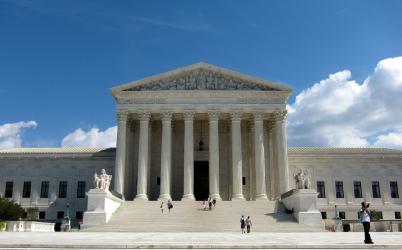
(63, 189)
(42, 215)
(398, 215)
(158, 180)
(357, 187)
(339, 189)
(79, 215)
(324, 215)
(81, 189)
(44, 189)
(379, 214)
(376, 189)
(9, 189)
(26, 190)
(244, 181)
(394, 189)
(321, 189)
(342, 215)
(60, 214)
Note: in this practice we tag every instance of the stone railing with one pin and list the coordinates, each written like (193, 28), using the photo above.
(29, 226)
(376, 226)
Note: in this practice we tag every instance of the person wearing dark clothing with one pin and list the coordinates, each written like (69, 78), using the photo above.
(169, 205)
(242, 224)
(365, 220)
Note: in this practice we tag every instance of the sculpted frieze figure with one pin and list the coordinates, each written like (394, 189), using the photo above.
(302, 180)
(201, 80)
(102, 181)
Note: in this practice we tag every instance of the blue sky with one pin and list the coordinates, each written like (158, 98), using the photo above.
(60, 58)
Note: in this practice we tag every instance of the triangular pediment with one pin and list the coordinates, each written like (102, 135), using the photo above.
(201, 76)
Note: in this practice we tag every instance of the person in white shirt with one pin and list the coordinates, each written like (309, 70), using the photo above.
(365, 220)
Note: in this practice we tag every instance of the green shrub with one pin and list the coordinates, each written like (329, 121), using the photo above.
(375, 216)
(10, 210)
(32, 213)
(2, 224)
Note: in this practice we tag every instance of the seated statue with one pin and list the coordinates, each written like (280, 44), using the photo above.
(103, 180)
(302, 180)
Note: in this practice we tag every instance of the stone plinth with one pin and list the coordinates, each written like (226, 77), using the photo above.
(29, 226)
(101, 205)
(303, 203)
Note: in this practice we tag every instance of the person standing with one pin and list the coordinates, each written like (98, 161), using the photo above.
(214, 202)
(169, 205)
(365, 220)
(248, 224)
(242, 224)
(162, 206)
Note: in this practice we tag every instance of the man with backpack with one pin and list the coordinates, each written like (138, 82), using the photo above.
(365, 220)
(169, 205)
(243, 224)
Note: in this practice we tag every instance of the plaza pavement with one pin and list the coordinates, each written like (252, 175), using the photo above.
(116, 240)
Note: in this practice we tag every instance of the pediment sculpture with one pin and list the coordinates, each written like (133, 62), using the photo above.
(302, 179)
(102, 181)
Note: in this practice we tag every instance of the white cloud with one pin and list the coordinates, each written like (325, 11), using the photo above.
(339, 111)
(92, 138)
(10, 133)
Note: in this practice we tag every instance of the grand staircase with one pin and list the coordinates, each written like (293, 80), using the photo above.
(185, 216)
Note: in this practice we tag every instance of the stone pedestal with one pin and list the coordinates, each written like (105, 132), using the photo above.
(303, 203)
(101, 205)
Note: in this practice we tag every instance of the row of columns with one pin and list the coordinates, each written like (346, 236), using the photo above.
(280, 148)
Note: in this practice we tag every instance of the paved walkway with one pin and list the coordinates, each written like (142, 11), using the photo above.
(93, 240)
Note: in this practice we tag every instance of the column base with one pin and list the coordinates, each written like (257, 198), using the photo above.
(164, 197)
(188, 197)
(261, 197)
(237, 197)
(215, 196)
(141, 197)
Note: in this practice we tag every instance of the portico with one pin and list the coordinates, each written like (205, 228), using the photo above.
(201, 113)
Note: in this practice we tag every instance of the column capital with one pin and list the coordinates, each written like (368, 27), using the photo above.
(166, 115)
(259, 116)
(280, 116)
(144, 115)
(213, 115)
(271, 124)
(188, 115)
(235, 116)
(121, 116)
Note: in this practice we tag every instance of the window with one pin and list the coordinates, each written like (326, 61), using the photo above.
(60, 214)
(26, 190)
(376, 189)
(81, 189)
(394, 189)
(158, 180)
(339, 189)
(63, 189)
(398, 215)
(44, 189)
(324, 215)
(357, 187)
(42, 215)
(78, 215)
(9, 189)
(321, 189)
(244, 181)
(342, 215)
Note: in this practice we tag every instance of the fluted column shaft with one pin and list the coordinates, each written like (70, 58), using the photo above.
(214, 155)
(259, 154)
(282, 151)
(143, 157)
(166, 156)
(119, 170)
(188, 188)
(237, 163)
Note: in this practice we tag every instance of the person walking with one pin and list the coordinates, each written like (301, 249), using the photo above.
(210, 204)
(248, 224)
(162, 206)
(214, 202)
(169, 205)
(242, 224)
(365, 220)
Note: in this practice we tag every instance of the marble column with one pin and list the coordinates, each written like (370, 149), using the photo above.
(119, 170)
(143, 157)
(237, 164)
(166, 156)
(214, 155)
(282, 151)
(259, 157)
(188, 182)
(272, 171)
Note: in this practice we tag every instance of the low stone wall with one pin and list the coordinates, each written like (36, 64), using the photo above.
(29, 226)
(375, 226)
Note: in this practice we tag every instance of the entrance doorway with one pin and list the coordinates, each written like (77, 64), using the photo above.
(201, 180)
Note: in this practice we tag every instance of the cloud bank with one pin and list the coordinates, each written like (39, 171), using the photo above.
(91, 138)
(10, 133)
(339, 111)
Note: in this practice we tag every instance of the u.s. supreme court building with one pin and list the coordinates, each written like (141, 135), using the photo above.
(196, 132)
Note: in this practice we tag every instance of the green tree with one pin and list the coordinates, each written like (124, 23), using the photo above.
(10, 210)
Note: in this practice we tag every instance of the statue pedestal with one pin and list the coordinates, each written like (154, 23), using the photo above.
(101, 205)
(303, 203)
